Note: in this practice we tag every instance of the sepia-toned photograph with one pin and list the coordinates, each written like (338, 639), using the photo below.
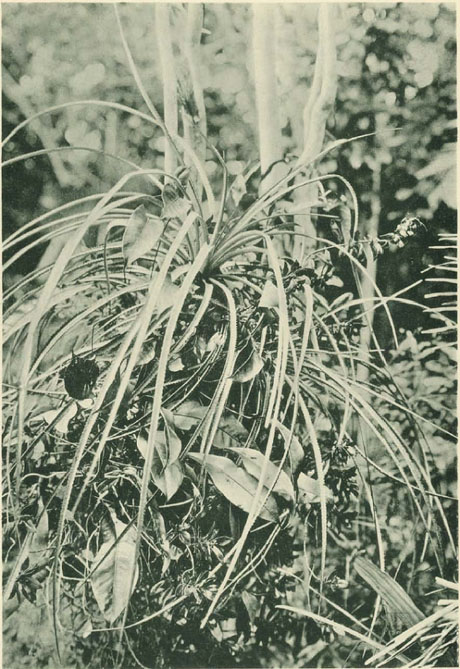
(229, 365)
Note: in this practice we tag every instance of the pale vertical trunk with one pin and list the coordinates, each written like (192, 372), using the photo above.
(268, 123)
(168, 74)
(317, 109)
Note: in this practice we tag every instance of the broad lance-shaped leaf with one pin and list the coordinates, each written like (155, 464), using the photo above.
(166, 470)
(236, 484)
(395, 599)
(253, 461)
(310, 489)
(230, 431)
(114, 566)
(142, 233)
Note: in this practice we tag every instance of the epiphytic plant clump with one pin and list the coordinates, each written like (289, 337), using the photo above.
(197, 434)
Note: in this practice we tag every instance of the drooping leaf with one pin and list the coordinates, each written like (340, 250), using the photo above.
(114, 566)
(217, 339)
(63, 423)
(189, 414)
(200, 347)
(141, 235)
(168, 294)
(340, 301)
(147, 353)
(176, 364)
(253, 461)
(309, 489)
(175, 206)
(170, 480)
(235, 484)
(85, 630)
(230, 432)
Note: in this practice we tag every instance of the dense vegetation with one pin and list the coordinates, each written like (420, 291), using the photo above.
(229, 341)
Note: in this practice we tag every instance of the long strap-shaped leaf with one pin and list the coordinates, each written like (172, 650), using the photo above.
(396, 600)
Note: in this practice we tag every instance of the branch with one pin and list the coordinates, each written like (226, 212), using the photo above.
(324, 86)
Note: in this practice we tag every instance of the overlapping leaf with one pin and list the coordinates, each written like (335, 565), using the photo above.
(309, 489)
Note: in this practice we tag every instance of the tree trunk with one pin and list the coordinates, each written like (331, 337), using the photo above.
(168, 73)
(268, 123)
(317, 109)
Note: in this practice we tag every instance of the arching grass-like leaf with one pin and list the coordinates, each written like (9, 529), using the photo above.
(398, 603)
